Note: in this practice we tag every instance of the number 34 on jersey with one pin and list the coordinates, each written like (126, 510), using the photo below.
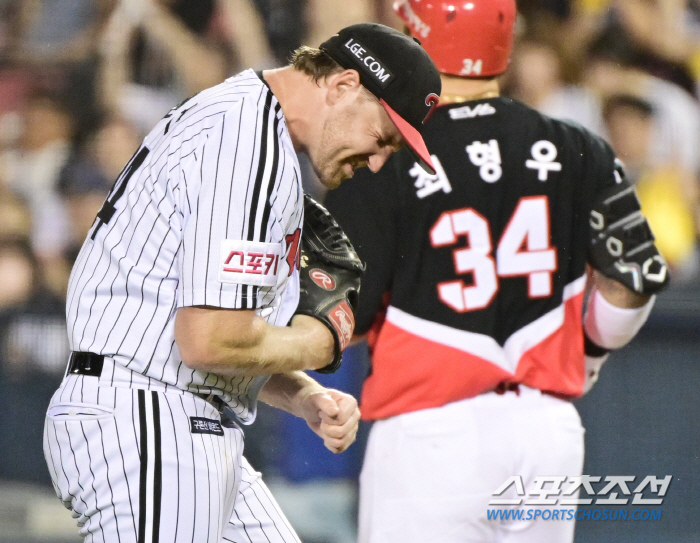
(523, 250)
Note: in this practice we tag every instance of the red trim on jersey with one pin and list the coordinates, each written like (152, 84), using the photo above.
(410, 373)
(556, 364)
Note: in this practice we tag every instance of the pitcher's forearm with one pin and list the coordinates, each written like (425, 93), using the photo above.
(231, 342)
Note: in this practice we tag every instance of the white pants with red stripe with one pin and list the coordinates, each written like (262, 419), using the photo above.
(138, 466)
(428, 476)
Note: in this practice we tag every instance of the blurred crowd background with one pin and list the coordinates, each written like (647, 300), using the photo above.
(82, 81)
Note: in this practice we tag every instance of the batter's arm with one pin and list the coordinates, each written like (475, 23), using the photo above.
(627, 267)
(239, 342)
(616, 293)
(614, 315)
(333, 415)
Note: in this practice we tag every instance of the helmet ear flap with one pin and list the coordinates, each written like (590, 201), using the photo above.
(468, 39)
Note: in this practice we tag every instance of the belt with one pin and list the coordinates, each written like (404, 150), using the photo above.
(507, 386)
(228, 417)
(83, 363)
(213, 399)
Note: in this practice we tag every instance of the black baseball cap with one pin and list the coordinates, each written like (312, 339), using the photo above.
(397, 70)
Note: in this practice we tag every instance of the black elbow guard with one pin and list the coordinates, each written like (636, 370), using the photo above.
(622, 243)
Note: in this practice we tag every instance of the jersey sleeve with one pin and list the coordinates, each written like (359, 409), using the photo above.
(600, 165)
(366, 207)
(231, 255)
(598, 174)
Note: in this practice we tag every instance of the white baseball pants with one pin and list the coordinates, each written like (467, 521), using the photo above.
(138, 466)
(428, 476)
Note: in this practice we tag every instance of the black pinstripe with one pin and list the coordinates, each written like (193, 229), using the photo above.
(266, 511)
(271, 184)
(63, 469)
(143, 479)
(247, 302)
(209, 485)
(230, 190)
(75, 463)
(157, 475)
(245, 529)
(92, 480)
(195, 260)
(131, 269)
(256, 518)
(171, 311)
(73, 297)
(142, 298)
(177, 461)
(111, 490)
(126, 478)
(262, 159)
(111, 288)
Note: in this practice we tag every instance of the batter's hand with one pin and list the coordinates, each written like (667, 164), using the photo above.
(334, 417)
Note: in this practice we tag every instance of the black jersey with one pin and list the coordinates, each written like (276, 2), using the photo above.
(482, 265)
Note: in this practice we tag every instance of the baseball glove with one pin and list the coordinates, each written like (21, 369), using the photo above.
(329, 277)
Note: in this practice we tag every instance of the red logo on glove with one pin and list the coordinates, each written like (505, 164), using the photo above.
(344, 322)
(322, 279)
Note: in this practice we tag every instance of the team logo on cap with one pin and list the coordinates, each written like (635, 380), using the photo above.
(431, 101)
(369, 62)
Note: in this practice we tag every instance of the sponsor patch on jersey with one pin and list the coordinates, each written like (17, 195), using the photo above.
(468, 112)
(200, 425)
(322, 279)
(343, 321)
(249, 262)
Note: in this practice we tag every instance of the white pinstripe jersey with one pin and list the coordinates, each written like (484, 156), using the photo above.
(207, 212)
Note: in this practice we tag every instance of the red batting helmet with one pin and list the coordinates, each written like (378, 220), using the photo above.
(469, 38)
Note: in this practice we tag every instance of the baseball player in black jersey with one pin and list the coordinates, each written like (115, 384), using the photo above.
(187, 303)
(474, 294)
